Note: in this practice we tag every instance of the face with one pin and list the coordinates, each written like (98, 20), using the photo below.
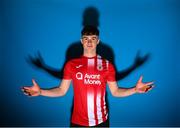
(90, 42)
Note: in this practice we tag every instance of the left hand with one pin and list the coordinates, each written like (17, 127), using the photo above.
(143, 87)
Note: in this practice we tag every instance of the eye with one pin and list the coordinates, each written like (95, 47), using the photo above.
(94, 38)
(85, 39)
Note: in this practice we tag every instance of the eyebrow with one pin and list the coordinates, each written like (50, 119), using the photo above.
(88, 36)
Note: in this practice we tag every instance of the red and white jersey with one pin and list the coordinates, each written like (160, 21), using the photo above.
(89, 77)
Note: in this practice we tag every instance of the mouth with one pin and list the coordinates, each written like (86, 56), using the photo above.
(89, 46)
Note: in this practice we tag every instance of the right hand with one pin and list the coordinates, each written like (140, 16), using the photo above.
(33, 90)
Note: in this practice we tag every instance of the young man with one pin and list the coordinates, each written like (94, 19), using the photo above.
(89, 74)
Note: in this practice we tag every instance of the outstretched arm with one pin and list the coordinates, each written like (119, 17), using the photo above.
(140, 87)
(35, 89)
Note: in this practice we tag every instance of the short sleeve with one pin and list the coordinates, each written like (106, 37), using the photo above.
(67, 71)
(111, 75)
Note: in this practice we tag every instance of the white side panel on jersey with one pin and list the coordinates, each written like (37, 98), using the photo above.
(90, 104)
(104, 104)
(99, 111)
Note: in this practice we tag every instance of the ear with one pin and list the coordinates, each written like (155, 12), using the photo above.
(81, 41)
(98, 41)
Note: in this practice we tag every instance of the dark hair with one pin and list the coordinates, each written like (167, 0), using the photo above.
(90, 30)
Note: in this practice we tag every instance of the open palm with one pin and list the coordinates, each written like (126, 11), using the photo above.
(143, 87)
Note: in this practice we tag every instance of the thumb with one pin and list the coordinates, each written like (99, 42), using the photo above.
(34, 82)
(140, 79)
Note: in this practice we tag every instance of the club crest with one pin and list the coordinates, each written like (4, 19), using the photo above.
(100, 67)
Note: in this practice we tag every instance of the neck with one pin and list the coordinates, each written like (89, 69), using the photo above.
(89, 54)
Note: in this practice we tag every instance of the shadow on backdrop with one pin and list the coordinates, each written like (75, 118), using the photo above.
(75, 50)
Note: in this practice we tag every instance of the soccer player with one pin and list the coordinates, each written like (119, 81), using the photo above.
(89, 75)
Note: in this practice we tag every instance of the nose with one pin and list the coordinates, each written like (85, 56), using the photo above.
(89, 41)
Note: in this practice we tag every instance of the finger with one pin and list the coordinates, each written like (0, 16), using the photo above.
(26, 88)
(29, 91)
(22, 89)
(149, 83)
(140, 79)
(150, 88)
(26, 93)
(34, 82)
